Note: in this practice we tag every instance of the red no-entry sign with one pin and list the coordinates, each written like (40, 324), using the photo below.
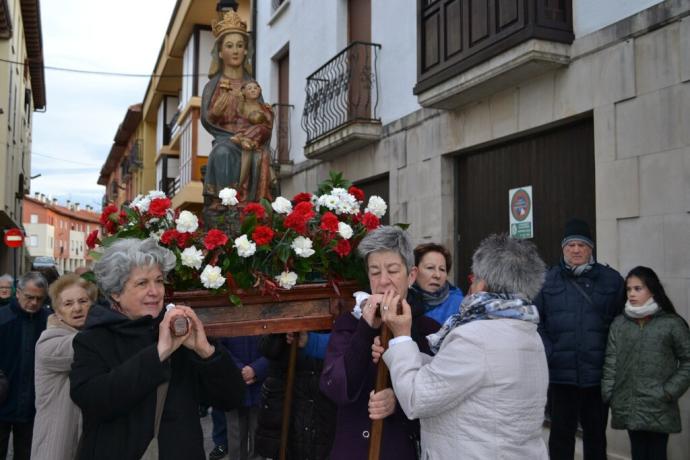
(14, 238)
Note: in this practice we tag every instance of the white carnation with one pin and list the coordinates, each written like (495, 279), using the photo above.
(153, 194)
(345, 230)
(211, 277)
(329, 201)
(245, 247)
(302, 246)
(282, 205)
(228, 196)
(187, 222)
(287, 280)
(377, 206)
(192, 257)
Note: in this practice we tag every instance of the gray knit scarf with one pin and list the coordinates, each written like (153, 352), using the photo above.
(432, 299)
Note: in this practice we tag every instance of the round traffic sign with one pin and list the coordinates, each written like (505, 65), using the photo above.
(14, 238)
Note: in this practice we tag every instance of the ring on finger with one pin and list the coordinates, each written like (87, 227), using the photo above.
(385, 307)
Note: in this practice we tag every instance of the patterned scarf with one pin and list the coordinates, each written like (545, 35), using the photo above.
(578, 270)
(432, 299)
(485, 305)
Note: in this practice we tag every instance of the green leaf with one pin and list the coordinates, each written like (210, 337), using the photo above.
(402, 225)
(235, 300)
(283, 252)
(248, 225)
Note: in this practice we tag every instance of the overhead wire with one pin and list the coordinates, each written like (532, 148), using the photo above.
(104, 73)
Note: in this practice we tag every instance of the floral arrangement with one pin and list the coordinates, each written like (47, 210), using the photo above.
(279, 244)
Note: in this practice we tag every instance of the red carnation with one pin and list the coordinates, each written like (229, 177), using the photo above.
(159, 206)
(297, 222)
(256, 209)
(370, 221)
(105, 215)
(358, 193)
(173, 236)
(168, 236)
(305, 208)
(215, 238)
(92, 240)
(343, 248)
(262, 235)
(302, 197)
(329, 222)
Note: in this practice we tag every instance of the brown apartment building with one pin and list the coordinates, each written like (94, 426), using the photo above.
(59, 231)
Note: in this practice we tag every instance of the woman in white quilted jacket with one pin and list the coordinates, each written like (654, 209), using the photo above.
(482, 394)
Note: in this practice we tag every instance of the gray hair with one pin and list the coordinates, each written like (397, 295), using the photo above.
(388, 238)
(35, 278)
(509, 265)
(7, 277)
(115, 265)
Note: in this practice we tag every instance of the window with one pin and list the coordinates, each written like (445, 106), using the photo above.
(51, 242)
(33, 241)
(34, 218)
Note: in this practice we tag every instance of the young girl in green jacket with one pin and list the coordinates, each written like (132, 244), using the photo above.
(647, 366)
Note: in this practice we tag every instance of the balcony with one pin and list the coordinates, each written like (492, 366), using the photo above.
(473, 48)
(341, 102)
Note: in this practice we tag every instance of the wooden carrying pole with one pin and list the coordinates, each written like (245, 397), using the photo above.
(287, 401)
(381, 384)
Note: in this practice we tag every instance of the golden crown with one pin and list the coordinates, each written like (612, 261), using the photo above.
(229, 22)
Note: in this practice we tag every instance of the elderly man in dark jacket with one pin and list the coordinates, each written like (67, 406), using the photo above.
(578, 302)
(20, 326)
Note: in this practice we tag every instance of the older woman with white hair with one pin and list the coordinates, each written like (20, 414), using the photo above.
(58, 419)
(137, 383)
(483, 393)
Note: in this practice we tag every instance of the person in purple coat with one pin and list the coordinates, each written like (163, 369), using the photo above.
(349, 373)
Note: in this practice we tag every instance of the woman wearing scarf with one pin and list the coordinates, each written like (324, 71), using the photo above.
(647, 366)
(483, 393)
(440, 298)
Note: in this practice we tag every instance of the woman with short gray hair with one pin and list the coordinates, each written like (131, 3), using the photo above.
(483, 393)
(349, 374)
(138, 380)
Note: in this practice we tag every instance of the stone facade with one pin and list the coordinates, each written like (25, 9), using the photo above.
(633, 79)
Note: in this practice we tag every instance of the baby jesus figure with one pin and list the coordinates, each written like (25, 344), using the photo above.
(255, 119)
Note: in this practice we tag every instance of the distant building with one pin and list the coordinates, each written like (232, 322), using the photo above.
(59, 231)
(123, 173)
(22, 90)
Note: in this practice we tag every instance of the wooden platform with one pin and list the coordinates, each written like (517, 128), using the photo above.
(306, 307)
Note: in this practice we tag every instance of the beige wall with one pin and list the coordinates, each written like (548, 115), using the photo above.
(15, 130)
(635, 83)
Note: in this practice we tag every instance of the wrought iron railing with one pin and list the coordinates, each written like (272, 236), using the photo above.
(281, 132)
(343, 90)
(167, 186)
(277, 3)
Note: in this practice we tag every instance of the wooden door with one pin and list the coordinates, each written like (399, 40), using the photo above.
(558, 164)
(359, 59)
(283, 108)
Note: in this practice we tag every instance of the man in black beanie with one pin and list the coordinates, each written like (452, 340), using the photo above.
(577, 303)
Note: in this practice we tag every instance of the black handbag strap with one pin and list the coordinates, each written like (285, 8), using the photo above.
(582, 291)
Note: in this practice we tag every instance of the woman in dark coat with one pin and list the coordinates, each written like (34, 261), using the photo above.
(128, 365)
(647, 366)
(349, 373)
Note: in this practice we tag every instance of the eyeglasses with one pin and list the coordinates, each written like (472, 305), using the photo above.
(5, 288)
(33, 298)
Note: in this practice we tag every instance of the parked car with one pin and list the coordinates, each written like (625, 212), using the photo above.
(43, 261)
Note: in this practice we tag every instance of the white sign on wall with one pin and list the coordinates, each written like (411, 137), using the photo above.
(520, 210)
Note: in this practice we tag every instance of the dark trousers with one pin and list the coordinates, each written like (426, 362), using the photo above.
(220, 428)
(647, 445)
(241, 428)
(569, 404)
(21, 437)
